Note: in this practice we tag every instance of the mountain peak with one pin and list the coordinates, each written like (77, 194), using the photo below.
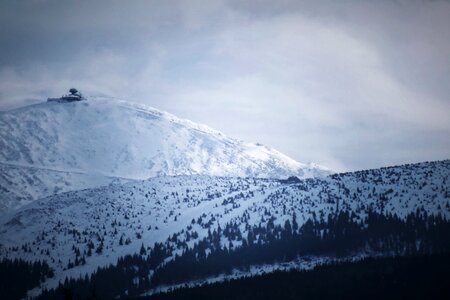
(59, 146)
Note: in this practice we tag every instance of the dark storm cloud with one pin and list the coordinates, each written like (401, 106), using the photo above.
(351, 84)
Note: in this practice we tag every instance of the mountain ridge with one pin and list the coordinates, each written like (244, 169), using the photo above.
(109, 139)
(179, 211)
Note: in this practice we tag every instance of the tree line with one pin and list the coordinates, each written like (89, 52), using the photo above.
(18, 276)
(339, 235)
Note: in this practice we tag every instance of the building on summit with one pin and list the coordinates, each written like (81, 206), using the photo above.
(74, 95)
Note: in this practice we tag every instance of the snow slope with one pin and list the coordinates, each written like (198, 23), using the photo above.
(122, 217)
(57, 147)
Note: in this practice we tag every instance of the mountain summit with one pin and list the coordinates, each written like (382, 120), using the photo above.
(55, 147)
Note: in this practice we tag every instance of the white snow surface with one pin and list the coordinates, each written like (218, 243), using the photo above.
(55, 147)
(161, 209)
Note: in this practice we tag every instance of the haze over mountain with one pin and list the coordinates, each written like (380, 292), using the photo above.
(52, 147)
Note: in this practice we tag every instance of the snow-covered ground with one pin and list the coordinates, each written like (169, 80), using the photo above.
(182, 209)
(84, 183)
(304, 263)
(55, 147)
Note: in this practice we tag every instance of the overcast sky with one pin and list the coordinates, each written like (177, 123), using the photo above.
(354, 85)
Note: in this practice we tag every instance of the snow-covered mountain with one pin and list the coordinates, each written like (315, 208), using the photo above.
(54, 147)
(156, 202)
(76, 232)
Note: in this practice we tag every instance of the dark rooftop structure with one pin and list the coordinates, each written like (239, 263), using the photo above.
(74, 95)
